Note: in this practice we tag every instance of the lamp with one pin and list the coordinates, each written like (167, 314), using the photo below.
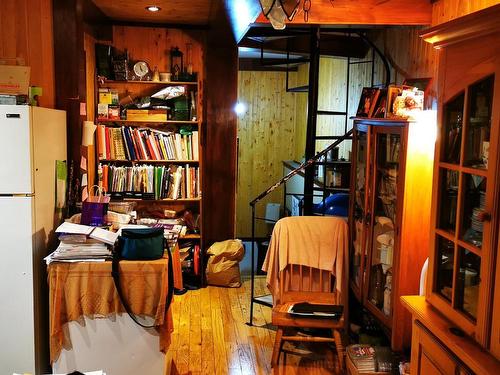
(279, 11)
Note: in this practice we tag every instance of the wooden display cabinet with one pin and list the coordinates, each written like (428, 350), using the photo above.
(389, 217)
(462, 304)
(465, 219)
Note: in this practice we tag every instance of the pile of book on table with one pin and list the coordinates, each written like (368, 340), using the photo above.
(83, 243)
(80, 243)
(369, 358)
(172, 228)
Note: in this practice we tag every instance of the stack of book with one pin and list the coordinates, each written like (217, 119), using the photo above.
(155, 182)
(125, 143)
(79, 243)
(363, 357)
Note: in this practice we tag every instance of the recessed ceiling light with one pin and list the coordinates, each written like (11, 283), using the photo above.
(153, 8)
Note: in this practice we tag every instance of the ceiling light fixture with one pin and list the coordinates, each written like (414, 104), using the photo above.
(153, 8)
(279, 11)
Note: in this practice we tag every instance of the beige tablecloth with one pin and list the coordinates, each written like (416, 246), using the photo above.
(86, 289)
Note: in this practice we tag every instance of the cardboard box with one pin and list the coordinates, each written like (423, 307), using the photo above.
(147, 114)
(14, 79)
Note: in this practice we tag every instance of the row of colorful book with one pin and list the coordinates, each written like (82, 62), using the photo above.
(126, 143)
(155, 182)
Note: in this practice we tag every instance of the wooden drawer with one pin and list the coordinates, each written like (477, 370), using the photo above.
(430, 357)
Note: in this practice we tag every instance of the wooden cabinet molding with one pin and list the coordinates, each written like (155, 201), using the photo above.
(475, 358)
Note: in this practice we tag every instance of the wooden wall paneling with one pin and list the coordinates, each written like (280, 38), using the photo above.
(365, 12)
(302, 78)
(27, 35)
(409, 57)
(90, 74)
(332, 97)
(266, 138)
(218, 137)
(153, 45)
(69, 57)
(447, 10)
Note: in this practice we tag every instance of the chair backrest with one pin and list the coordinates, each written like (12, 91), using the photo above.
(300, 283)
(298, 245)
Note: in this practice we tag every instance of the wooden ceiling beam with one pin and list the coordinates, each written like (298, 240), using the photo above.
(363, 12)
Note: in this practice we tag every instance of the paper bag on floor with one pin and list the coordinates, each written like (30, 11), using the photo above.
(223, 264)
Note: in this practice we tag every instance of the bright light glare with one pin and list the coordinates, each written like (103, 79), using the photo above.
(422, 136)
(153, 8)
(240, 108)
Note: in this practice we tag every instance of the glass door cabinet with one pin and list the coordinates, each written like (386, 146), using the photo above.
(463, 242)
(390, 210)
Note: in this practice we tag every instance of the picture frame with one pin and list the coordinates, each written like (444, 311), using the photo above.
(380, 110)
(392, 92)
(367, 101)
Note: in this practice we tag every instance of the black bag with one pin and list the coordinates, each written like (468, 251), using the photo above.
(141, 244)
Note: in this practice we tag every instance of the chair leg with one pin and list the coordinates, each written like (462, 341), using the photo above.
(277, 347)
(339, 348)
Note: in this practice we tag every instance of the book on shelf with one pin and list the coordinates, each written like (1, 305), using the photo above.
(126, 143)
(155, 182)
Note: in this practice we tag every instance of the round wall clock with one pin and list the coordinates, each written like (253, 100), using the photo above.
(141, 68)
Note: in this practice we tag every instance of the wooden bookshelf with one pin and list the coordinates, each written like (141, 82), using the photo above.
(110, 82)
(178, 200)
(156, 54)
(141, 123)
(149, 161)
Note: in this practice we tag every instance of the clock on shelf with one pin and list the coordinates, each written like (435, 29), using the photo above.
(141, 71)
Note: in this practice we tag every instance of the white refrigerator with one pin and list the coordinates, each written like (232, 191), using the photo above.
(31, 140)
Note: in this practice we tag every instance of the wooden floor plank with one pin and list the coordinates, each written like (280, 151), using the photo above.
(195, 332)
(182, 358)
(211, 337)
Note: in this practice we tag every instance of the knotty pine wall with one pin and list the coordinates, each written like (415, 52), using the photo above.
(26, 34)
(266, 137)
(447, 10)
(332, 97)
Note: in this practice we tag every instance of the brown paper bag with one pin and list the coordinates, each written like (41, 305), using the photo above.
(223, 263)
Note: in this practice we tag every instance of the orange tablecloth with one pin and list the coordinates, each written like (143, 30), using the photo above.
(86, 289)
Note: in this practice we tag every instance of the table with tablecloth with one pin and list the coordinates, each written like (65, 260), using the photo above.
(86, 290)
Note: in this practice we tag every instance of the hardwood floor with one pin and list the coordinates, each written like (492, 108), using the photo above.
(211, 337)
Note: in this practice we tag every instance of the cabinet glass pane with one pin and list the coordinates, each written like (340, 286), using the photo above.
(452, 136)
(474, 197)
(468, 281)
(359, 208)
(479, 122)
(387, 169)
(448, 200)
(444, 267)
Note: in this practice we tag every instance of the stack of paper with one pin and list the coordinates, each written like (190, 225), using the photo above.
(91, 250)
(82, 243)
(363, 357)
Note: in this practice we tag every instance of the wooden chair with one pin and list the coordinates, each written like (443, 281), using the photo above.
(305, 284)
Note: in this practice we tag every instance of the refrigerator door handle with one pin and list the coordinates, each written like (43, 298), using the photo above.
(13, 115)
